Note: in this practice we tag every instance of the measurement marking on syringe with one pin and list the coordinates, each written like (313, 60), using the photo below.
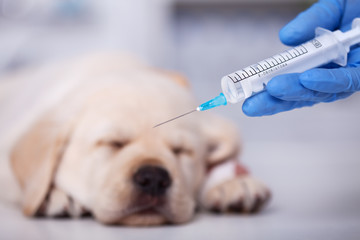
(268, 65)
(290, 54)
(231, 78)
(293, 52)
(275, 60)
(282, 57)
(238, 75)
(253, 69)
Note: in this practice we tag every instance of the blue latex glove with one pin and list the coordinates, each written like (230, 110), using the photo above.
(327, 84)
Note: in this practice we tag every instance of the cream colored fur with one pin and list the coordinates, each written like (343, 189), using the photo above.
(76, 132)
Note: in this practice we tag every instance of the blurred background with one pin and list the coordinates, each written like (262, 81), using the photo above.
(309, 157)
(202, 39)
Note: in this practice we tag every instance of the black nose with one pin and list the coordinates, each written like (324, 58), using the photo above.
(152, 180)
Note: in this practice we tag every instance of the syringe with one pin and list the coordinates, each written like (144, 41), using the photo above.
(326, 47)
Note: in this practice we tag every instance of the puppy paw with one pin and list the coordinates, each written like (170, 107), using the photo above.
(240, 193)
(59, 204)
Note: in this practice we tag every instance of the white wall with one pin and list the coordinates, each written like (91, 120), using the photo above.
(197, 38)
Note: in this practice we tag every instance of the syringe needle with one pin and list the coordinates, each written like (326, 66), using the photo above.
(175, 118)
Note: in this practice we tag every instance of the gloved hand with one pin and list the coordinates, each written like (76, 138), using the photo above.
(326, 84)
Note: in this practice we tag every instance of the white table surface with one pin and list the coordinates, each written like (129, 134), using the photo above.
(316, 195)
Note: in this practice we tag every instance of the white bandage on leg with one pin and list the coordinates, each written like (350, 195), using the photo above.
(221, 173)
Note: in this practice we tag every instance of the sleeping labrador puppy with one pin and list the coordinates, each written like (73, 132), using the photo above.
(92, 149)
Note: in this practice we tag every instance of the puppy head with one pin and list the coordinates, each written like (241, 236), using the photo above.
(125, 170)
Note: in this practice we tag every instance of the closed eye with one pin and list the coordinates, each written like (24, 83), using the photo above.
(180, 151)
(177, 150)
(117, 144)
(114, 144)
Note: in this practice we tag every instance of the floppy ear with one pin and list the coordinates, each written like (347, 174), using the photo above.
(176, 77)
(34, 159)
(223, 141)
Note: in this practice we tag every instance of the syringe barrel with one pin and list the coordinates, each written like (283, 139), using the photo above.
(253, 79)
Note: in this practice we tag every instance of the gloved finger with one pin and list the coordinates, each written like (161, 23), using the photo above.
(330, 65)
(331, 80)
(351, 11)
(354, 57)
(288, 87)
(264, 104)
(337, 96)
(345, 26)
(325, 13)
